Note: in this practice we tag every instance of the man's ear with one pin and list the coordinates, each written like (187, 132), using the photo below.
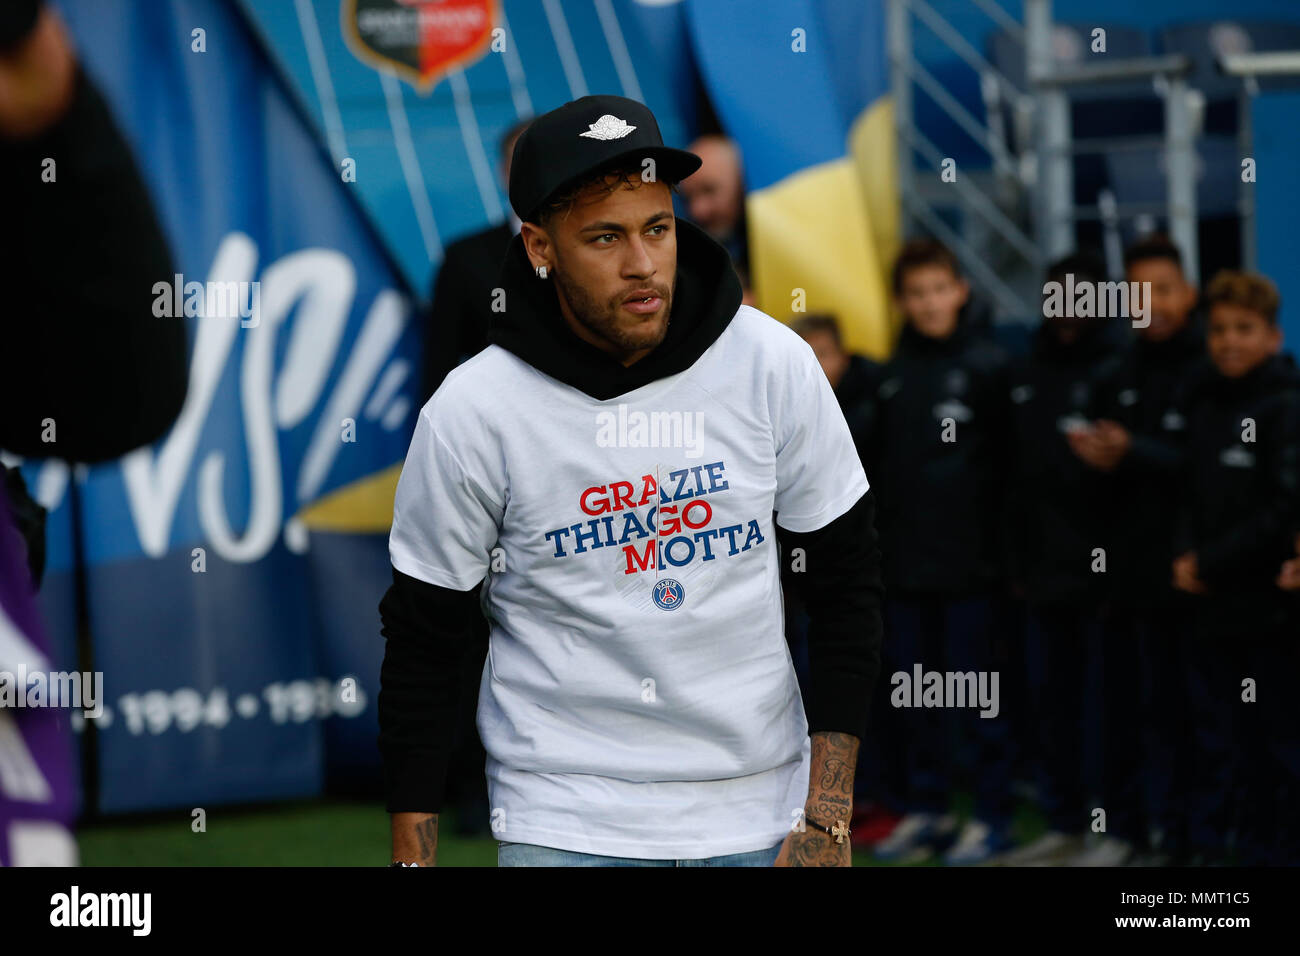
(537, 244)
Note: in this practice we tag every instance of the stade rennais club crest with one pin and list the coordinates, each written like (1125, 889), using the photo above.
(420, 40)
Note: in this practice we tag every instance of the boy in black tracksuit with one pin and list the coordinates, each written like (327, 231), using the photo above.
(1059, 535)
(938, 450)
(1235, 532)
(1138, 439)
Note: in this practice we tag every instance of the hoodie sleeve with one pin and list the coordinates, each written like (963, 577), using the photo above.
(825, 509)
(428, 630)
(839, 581)
(446, 516)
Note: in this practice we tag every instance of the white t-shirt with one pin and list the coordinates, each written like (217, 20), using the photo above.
(638, 697)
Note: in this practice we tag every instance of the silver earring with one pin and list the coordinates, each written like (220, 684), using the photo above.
(541, 272)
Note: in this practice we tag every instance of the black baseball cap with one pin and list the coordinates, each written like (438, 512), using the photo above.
(580, 139)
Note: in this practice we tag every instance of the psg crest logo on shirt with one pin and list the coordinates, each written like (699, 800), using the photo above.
(669, 594)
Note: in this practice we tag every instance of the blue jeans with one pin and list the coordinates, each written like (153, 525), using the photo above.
(527, 854)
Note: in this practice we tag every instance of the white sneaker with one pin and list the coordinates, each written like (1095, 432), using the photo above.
(1108, 851)
(1050, 849)
(976, 844)
(915, 837)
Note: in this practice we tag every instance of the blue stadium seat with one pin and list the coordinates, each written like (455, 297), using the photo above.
(1135, 177)
(1205, 41)
(1138, 176)
(1071, 47)
(1105, 110)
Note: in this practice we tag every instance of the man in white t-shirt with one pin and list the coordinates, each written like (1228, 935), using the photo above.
(612, 483)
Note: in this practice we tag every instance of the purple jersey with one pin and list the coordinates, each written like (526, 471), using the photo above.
(37, 801)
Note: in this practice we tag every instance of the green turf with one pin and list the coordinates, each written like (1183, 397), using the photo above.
(318, 833)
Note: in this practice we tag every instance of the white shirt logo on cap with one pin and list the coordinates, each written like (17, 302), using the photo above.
(608, 127)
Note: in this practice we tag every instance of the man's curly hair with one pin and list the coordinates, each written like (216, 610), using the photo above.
(626, 174)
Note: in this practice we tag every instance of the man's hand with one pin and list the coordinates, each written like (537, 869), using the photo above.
(1186, 575)
(830, 803)
(415, 838)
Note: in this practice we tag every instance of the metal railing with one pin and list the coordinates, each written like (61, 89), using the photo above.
(904, 72)
(1040, 117)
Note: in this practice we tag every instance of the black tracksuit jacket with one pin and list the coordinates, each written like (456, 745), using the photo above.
(1058, 507)
(941, 501)
(1239, 503)
(856, 394)
(1146, 396)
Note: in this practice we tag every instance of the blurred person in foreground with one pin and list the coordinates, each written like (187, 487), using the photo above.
(942, 440)
(1138, 440)
(638, 707)
(715, 201)
(1059, 527)
(1238, 512)
(88, 373)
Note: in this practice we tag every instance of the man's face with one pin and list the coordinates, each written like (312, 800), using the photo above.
(834, 360)
(714, 193)
(613, 259)
(1240, 339)
(931, 298)
(1172, 296)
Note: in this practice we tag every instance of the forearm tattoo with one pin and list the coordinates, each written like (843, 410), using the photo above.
(426, 835)
(830, 801)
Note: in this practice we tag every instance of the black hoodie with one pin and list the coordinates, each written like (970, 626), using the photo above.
(429, 627)
(707, 296)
